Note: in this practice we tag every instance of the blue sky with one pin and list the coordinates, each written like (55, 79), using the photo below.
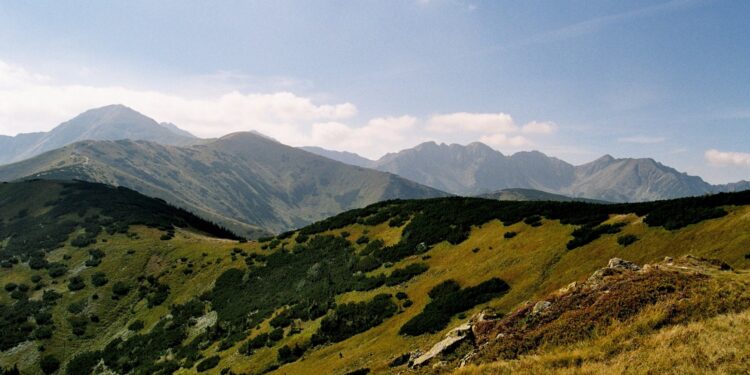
(574, 79)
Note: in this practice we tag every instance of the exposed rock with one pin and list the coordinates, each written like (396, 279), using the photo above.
(462, 330)
(540, 307)
(614, 267)
(437, 349)
(568, 288)
(618, 263)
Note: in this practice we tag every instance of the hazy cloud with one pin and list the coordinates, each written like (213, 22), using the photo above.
(642, 139)
(30, 102)
(472, 122)
(377, 137)
(536, 127)
(724, 158)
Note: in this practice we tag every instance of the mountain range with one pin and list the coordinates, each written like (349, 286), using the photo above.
(244, 181)
(477, 169)
(254, 184)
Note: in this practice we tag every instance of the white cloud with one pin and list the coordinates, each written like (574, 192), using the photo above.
(536, 127)
(377, 137)
(505, 141)
(472, 122)
(30, 102)
(724, 158)
(498, 130)
(642, 139)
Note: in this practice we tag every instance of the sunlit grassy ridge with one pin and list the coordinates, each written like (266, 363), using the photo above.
(466, 243)
(685, 317)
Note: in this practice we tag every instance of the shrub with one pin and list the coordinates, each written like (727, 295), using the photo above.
(99, 279)
(9, 287)
(49, 364)
(76, 283)
(288, 355)
(56, 269)
(43, 317)
(17, 294)
(626, 239)
(120, 288)
(401, 296)
(77, 307)
(36, 279)
(400, 360)
(50, 296)
(367, 263)
(82, 363)
(448, 299)
(136, 326)
(533, 220)
(208, 363)
(363, 240)
(401, 275)
(276, 335)
(281, 320)
(350, 319)
(509, 235)
(588, 233)
(43, 332)
(359, 371)
(78, 324)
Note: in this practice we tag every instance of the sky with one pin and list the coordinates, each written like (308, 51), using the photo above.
(575, 79)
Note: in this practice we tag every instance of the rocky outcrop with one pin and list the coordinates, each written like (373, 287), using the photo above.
(451, 340)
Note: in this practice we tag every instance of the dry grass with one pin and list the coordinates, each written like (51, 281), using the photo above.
(718, 345)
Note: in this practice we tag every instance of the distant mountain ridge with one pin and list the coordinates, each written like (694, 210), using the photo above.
(112, 122)
(477, 169)
(342, 156)
(244, 181)
(534, 195)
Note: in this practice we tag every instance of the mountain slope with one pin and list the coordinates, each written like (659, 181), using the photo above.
(477, 169)
(467, 170)
(237, 180)
(107, 123)
(621, 180)
(533, 195)
(342, 156)
(334, 297)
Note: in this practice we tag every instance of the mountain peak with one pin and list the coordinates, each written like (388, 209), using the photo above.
(607, 158)
(108, 123)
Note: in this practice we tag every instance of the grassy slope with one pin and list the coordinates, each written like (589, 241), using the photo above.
(716, 344)
(534, 263)
(152, 256)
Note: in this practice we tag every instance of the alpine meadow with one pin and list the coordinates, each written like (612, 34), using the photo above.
(454, 187)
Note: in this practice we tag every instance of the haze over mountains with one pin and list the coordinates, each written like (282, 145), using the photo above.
(107, 123)
(477, 169)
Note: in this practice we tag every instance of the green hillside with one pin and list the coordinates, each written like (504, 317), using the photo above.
(358, 291)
